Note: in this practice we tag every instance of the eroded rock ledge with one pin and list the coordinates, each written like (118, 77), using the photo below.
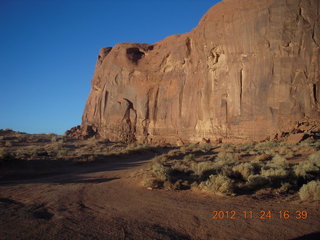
(248, 70)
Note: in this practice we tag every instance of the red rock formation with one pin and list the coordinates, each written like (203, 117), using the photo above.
(248, 70)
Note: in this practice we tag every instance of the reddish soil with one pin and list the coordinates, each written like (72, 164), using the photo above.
(105, 201)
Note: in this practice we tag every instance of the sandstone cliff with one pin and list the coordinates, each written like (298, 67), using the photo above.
(249, 69)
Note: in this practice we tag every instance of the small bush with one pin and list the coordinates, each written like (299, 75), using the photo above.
(189, 148)
(285, 187)
(4, 154)
(278, 162)
(266, 145)
(160, 172)
(310, 191)
(256, 181)
(205, 147)
(180, 166)
(217, 184)
(8, 144)
(173, 153)
(262, 157)
(315, 158)
(271, 152)
(304, 169)
(62, 153)
(202, 167)
(54, 138)
(152, 183)
(189, 157)
(224, 158)
(274, 173)
(245, 169)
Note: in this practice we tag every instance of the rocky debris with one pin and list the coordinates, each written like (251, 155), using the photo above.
(297, 137)
(300, 131)
(247, 71)
(80, 132)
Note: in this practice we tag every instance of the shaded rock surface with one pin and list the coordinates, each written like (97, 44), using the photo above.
(249, 70)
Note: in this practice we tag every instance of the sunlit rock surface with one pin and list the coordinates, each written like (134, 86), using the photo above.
(248, 70)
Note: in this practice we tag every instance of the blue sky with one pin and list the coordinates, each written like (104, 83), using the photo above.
(48, 51)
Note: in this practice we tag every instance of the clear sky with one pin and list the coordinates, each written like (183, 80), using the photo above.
(48, 51)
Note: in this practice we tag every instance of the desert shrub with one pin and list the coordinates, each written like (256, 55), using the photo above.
(160, 172)
(205, 147)
(40, 152)
(8, 144)
(218, 184)
(226, 145)
(189, 157)
(285, 150)
(245, 147)
(315, 158)
(178, 185)
(199, 168)
(310, 191)
(275, 173)
(62, 153)
(285, 187)
(246, 169)
(180, 166)
(256, 181)
(4, 154)
(54, 138)
(189, 148)
(20, 138)
(317, 145)
(254, 152)
(173, 152)
(226, 171)
(221, 164)
(304, 169)
(262, 157)
(271, 152)
(225, 158)
(278, 162)
(151, 183)
(266, 145)
(137, 148)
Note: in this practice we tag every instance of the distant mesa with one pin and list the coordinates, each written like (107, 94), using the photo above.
(248, 71)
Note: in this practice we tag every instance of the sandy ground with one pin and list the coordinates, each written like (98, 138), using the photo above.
(105, 201)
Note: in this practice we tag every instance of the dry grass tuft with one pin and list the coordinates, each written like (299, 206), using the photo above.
(310, 191)
(218, 184)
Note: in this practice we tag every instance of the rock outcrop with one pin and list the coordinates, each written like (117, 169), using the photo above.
(248, 70)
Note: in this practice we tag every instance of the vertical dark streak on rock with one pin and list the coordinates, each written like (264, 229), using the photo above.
(146, 120)
(181, 99)
(227, 120)
(155, 111)
(99, 110)
(188, 44)
(314, 25)
(315, 93)
(105, 102)
(241, 86)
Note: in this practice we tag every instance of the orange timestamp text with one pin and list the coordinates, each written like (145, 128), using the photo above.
(262, 214)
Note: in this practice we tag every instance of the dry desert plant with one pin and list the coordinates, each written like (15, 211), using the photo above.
(217, 184)
(310, 191)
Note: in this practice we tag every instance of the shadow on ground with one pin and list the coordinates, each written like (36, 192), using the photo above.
(311, 236)
(68, 171)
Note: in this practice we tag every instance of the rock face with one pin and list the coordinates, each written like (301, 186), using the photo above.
(248, 70)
